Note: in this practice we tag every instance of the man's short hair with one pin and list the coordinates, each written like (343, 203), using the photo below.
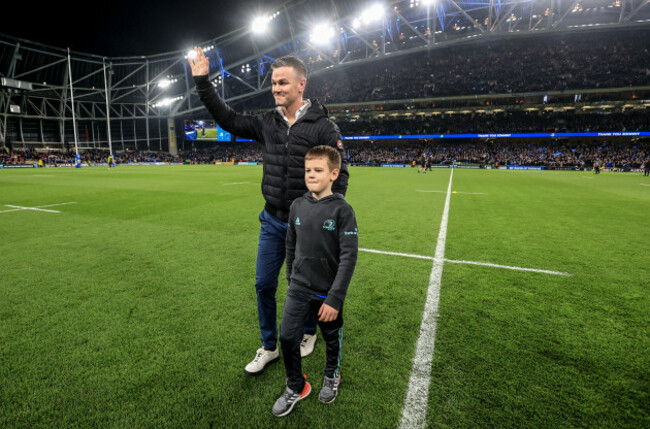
(289, 61)
(328, 152)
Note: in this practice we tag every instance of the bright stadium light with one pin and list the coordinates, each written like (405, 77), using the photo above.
(260, 25)
(167, 101)
(372, 14)
(322, 34)
(166, 81)
(356, 23)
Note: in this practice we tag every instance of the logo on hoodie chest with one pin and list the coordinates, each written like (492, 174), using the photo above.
(329, 225)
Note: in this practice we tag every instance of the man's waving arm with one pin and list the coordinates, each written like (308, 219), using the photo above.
(237, 124)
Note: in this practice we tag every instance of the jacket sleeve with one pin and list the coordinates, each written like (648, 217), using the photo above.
(246, 126)
(291, 241)
(331, 136)
(349, 248)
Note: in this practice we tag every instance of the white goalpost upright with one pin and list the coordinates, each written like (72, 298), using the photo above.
(74, 119)
(108, 112)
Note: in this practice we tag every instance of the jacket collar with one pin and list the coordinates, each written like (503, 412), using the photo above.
(311, 109)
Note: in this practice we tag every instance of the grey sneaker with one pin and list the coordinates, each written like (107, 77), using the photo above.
(286, 402)
(307, 345)
(330, 389)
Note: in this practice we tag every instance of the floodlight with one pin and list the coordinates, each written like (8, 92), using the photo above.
(356, 23)
(427, 2)
(191, 54)
(260, 24)
(167, 101)
(322, 34)
(373, 13)
(164, 83)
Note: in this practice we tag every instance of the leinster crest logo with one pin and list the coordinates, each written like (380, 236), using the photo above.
(329, 225)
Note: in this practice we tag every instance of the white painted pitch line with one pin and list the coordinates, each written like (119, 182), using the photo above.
(485, 264)
(415, 406)
(236, 183)
(508, 267)
(59, 204)
(31, 208)
(13, 210)
(408, 255)
(455, 192)
(644, 184)
(37, 208)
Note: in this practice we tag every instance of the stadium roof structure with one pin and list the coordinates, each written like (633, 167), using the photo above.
(40, 82)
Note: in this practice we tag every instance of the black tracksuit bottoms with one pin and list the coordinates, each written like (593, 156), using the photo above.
(296, 309)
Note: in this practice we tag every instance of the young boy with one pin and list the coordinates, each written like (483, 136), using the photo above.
(322, 247)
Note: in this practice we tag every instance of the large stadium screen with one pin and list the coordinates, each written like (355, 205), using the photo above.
(196, 130)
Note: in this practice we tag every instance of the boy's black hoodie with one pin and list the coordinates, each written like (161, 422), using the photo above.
(322, 246)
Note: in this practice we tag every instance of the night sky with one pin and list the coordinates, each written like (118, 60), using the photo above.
(129, 28)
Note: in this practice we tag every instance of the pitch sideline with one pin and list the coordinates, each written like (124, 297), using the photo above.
(415, 407)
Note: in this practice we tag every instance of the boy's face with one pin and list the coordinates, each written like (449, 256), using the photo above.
(319, 177)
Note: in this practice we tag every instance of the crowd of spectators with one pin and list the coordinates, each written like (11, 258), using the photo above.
(502, 122)
(563, 62)
(570, 61)
(241, 152)
(250, 152)
(56, 157)
(615, 156)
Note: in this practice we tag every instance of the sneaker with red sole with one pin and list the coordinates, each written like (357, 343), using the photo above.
(285, 403)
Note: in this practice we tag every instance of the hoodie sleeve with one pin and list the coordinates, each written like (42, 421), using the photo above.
(246, 126)
(349, 248)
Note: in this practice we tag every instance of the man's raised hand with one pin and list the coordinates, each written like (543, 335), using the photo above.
(199, 64)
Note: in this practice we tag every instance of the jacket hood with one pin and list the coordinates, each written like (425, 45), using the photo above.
(316, 110)
(333, 197)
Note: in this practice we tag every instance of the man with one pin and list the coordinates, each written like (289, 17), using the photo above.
(286, 133)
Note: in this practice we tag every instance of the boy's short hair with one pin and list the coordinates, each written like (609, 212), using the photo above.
(289, 61)
(328, 152)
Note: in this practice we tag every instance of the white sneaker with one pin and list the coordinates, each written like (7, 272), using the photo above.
(307, 345)
(262, 358)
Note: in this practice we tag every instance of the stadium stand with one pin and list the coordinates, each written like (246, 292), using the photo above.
(546, 82)
(558, 62)
(505, 121)
(617, 156)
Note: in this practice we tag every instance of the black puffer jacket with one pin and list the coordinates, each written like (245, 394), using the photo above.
(284, 148)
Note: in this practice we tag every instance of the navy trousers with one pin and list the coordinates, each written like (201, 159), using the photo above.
(297, 307)
(271, 253)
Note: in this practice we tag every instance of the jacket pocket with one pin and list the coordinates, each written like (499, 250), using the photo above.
(314, 273)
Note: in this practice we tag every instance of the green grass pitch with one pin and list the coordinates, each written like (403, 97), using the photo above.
(135, 307)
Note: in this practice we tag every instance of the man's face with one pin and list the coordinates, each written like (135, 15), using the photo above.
(287, 86)
(318, 176)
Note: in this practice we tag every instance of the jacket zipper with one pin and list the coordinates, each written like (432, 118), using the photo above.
(286, 167)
